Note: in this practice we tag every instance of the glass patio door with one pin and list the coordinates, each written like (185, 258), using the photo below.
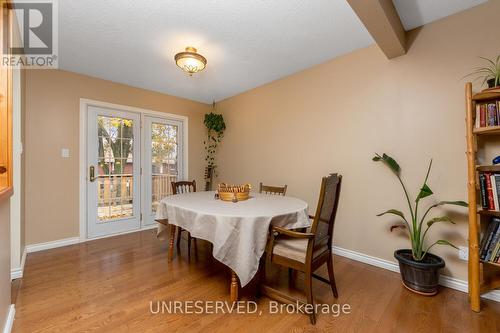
(163, 162)
(113, 171)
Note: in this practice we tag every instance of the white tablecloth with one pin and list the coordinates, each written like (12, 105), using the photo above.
(239, 230)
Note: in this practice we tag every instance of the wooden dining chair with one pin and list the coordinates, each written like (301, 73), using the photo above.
(307, 251)
(179, 188)
(277, 190)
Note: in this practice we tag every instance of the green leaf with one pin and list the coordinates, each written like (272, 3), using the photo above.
(488, 60)
(389, 161)
(394, 212)
(425, 191)
(445, 242)
(455, 203)
(440, 219)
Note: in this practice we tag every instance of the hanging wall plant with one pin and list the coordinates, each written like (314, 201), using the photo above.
(215, 132)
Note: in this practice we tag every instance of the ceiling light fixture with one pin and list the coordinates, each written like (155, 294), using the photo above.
(190, 61)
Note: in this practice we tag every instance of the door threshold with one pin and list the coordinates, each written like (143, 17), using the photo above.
(148, 227)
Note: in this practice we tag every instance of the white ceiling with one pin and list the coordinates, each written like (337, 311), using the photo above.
(415, 13)
(247, 42)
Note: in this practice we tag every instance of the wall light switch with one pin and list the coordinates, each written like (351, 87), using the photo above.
(65, 152)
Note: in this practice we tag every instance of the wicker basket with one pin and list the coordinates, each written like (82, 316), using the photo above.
(234, 193)
(229, 196)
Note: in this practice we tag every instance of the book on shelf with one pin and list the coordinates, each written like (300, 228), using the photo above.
(494, 190)
(487, 114)
(492, 245)
(497, 184)
(489, 187)
(494, 254)
(489, 191)
(497, 256)
(492, 114)
(482, 187)
(490, 239)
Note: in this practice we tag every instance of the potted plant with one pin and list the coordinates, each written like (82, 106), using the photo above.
(419, 268)
(215, 131)
(490, 73)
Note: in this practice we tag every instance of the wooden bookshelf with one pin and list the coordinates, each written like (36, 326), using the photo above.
(485, 212)
(483, 276)
(490, 130)
(491, 263)
(488, 168)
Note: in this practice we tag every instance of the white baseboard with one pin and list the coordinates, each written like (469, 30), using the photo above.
(75, 240)
(52, 245)
(444, 280)
(364, 258)
(17, 273)
(10, 319)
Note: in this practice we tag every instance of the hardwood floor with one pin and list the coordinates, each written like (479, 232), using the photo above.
(107, 286)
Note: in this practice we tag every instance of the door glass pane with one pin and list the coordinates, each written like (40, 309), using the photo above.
(115, 168)
(164, 160)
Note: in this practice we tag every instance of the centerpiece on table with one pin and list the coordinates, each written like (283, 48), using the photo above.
(233, 193)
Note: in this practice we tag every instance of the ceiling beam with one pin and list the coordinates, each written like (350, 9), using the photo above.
(382, 21)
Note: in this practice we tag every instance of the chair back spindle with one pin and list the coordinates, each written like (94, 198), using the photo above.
(183, 187)
(275, 190)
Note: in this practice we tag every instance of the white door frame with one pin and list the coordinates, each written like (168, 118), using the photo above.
(17, 254)
(84, 104)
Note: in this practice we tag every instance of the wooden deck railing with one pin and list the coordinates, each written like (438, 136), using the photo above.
(119, 189)
(161, 187)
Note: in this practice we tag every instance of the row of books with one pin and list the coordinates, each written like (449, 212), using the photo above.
(489, 186)
(488, 114)
(490, 245)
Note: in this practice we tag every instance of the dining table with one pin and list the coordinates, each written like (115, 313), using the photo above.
(237, 230)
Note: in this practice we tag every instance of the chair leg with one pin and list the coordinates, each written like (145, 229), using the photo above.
(291, 277)
(262, 275)
(195, 249)
(308, 286)
(332, 277)
(179, 231)
(189, 246)
(171, 243)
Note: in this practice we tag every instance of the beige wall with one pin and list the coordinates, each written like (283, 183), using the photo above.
(4, 260)
(335, 116)
(52, 123)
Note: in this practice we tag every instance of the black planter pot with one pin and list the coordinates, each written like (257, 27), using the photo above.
(421, 277)
(491, 83)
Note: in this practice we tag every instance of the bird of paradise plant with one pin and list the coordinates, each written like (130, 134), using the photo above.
(415, 225)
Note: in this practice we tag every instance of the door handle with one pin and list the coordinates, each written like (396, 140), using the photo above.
(92, 176)
(2, 169)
